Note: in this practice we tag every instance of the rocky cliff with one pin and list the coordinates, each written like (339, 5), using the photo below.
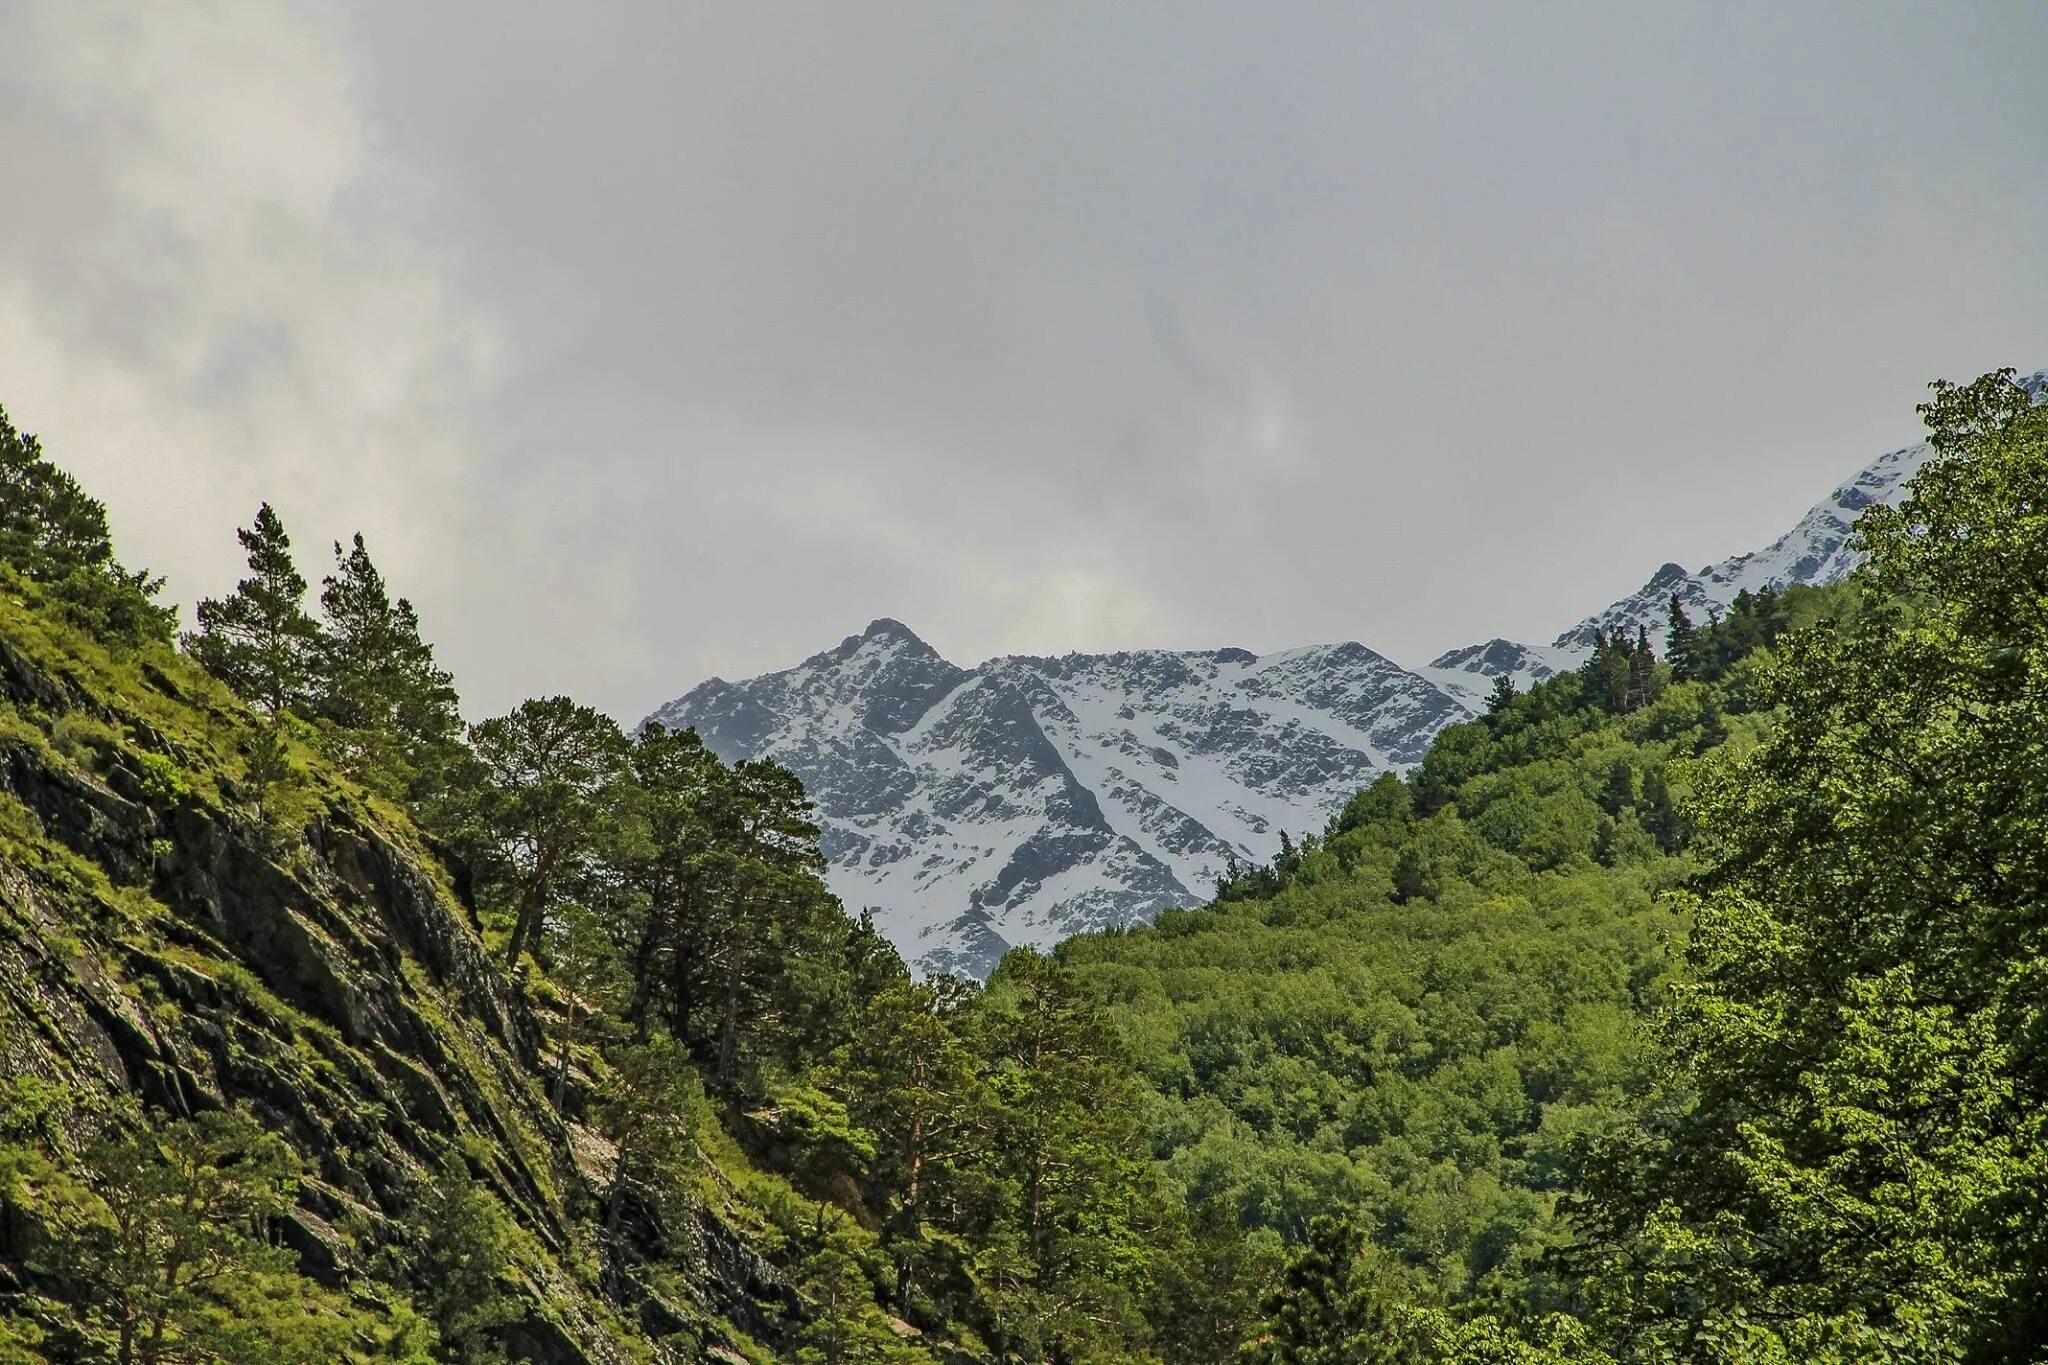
(161, 939)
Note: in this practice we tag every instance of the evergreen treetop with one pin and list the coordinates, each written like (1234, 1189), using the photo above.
(260, 641)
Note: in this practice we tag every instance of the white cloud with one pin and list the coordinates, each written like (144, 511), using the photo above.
(198, 311)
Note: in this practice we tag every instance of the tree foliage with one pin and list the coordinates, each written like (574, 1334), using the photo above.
(55, 535)
(260, 641)
(1845, 1154)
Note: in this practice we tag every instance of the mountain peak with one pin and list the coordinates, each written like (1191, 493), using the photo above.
(890, 636)
(888, 627)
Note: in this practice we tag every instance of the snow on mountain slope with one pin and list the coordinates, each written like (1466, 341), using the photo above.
(1033, 798)
(1815, 552)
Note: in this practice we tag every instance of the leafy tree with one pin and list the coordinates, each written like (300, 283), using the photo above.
(1849, 1146)
(1386, 803)
(260, 641)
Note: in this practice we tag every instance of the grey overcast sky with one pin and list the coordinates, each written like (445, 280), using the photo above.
(647, 341)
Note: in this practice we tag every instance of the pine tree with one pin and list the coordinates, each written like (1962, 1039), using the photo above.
(175, 1262)
(260, 641)
(646, 1109)
(1503, 695)
(376, 679)
(54, 534)
(548, 808)
(1620, 792)
(1606, 673)
(1327, 1311)
(583, 962)
(1068, 1159)
(1645, 683)
(911, 1079)
(1680, 643)
(1658, 813)
(463, 1261)
(675, 781)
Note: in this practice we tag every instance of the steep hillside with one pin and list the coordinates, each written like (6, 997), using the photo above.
(335, 1029)
(164, 940)
(1033, 798)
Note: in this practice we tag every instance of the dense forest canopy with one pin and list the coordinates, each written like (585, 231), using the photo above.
(1685, 1007)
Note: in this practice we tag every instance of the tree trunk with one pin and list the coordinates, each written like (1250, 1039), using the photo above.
(728, 1039)
(643, 972)
(561, 1086)
(522, 923)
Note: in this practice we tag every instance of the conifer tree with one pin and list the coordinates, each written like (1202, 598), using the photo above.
(1503, 695)
(376, 678)
(1327, 1311)
(911, 1079)
(462, 1262)
(53, 533)
(675, 782)
(646, 1109)
(1680, 643)
(1068, 1157)
(548, 808)
(1645, 683)
(1620, 791)
(260, 641)
(175, 1261)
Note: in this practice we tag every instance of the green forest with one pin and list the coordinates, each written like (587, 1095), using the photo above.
(1691, 1006)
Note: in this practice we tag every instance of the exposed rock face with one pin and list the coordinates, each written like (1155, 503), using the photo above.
(1033, 798)
(156, 941)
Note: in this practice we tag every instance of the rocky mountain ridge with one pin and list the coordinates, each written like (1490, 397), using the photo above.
(1028, 798)
(1033, 798)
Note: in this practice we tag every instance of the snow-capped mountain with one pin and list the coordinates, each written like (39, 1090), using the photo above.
(1033, 798)
(1815, 552)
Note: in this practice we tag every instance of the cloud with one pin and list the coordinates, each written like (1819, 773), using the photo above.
(656, 340)
(200, 308)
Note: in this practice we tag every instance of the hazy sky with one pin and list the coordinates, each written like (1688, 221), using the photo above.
(650, 341)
